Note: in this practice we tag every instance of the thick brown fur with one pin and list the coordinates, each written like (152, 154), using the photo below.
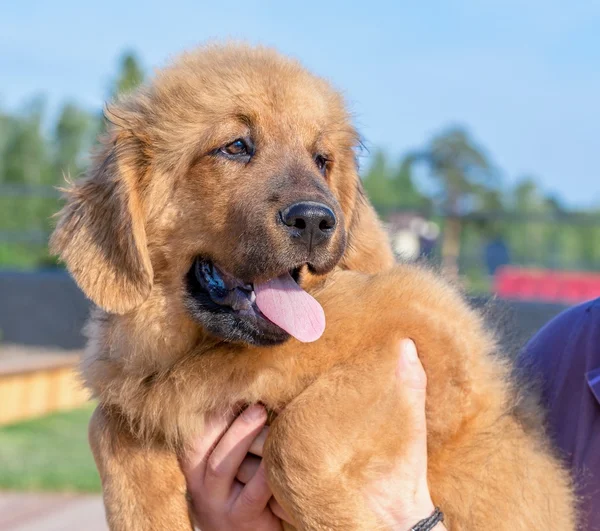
(157, 197)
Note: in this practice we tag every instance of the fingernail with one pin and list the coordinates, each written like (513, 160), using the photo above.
(409, 352)
(409, 369)
(253, 413)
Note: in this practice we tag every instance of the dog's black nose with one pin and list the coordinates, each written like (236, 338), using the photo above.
(312, 223)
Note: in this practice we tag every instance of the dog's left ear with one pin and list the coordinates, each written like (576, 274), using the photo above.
(100, 234)
(368, 247)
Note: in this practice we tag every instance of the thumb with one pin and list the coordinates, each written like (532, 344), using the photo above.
(413, 381)
(409, 370)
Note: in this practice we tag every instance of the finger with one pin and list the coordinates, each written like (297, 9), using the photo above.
(409, 370)
(229, 453)
(279, 511)
(194, 463)
(257, 444)
(254, 497)
(413, 381)
(248, 468)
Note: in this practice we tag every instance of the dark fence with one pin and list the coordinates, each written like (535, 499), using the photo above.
(46, 309)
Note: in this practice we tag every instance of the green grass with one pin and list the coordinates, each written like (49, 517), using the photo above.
(48, 454)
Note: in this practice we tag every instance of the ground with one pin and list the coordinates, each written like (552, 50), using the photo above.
(48, 454)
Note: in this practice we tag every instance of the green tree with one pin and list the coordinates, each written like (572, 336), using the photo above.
(392, 188)
(26, 158)
(379, 186)
(130, 75)
(406, 190)
(461, 171)
(26, 164)
(72, 139)
(529, 232)
(34, 158)
(7, 127)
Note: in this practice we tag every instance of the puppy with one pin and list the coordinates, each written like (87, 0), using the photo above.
(224, 192)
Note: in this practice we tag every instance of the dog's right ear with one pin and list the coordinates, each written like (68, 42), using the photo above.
(100, 234)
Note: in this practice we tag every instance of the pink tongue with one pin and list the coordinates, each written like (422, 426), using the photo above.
(287, 305)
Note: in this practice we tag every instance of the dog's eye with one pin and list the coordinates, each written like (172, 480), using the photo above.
(321, 162)
(237, 147)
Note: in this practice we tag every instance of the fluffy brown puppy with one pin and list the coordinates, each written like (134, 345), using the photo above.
(220, 187)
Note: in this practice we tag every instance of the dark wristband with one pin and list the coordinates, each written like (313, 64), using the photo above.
(427, 524)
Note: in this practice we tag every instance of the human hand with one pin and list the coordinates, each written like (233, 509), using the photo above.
(402, 498)
(229, 488)
(225, 477)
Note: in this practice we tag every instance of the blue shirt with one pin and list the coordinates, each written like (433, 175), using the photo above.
(566, 355)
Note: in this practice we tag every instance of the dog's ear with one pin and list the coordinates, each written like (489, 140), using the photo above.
(368, 247)
(100, 234)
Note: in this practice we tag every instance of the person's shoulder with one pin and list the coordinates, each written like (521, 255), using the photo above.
(576, 316)
(565, 332)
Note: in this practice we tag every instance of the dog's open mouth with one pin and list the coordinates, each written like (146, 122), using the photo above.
(279, 302)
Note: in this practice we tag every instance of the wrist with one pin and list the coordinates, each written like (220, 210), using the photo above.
(406, 519)
(438, 527)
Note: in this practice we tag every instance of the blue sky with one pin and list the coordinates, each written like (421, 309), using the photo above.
(522, 75)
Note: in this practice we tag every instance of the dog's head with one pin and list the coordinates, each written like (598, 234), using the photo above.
(232, 169)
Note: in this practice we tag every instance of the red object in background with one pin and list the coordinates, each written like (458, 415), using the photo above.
(546, 285)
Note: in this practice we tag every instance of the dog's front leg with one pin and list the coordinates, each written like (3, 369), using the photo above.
(333, 441)
(143, 486)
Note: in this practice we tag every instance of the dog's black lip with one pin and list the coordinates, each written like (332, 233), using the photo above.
(227, 324)
(245, 285)
(296, 273)
(250, 327)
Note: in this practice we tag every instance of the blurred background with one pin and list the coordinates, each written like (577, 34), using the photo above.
(480, 141)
